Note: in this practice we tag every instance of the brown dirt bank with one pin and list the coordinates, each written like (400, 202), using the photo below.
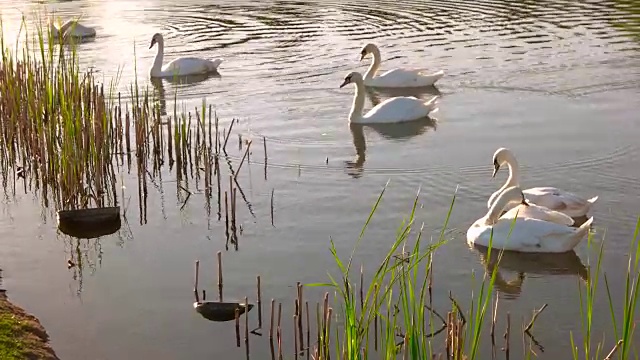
(21, 334)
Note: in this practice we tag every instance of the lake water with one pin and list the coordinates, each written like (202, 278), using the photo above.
(558, 82)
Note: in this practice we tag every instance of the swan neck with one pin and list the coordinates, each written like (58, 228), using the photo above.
(358, 103)
(514, 173)
(157, 62)
(496, 208)
(375, 64)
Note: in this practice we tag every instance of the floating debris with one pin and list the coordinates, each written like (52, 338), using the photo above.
(89, 223)
(221, 311)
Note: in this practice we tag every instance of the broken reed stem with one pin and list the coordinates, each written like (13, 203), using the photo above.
(226, 138)
(233, 217)
(279, 331)
(272, 316)
(295, 335)
(272, 191)
(264, 142)
(361, 287)
(195, 286)
(246, 324)
(246, 152)
(493, 323)
(613, 351)
(534, 317)
(375, 317)
(259, 304)
(226, 217)
(299, 313)
(237, 311)
(220, 275)
(306, 306)
(506, 336)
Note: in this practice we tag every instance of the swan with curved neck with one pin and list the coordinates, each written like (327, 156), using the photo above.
(549, 197)
(71, 28)
(181, 66)
(393, 110)
(524, 234)
(395, 77)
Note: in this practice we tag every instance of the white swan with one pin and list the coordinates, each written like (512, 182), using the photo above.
(549, 197)
(538, 212)
(180, 66)
(392, 110)
(71, 28)
(395, 77)
(523, 234)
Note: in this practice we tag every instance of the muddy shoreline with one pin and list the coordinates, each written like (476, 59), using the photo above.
(21, 334)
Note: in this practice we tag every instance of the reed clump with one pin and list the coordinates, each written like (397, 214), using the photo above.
(71, 138)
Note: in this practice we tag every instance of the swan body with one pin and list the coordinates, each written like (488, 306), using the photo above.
(395, 77)
(538, 212)
(393, 110)
(180, 66)
(549, 197)
(523, 234)
(72, 28)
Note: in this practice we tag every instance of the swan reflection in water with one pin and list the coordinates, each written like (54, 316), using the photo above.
(391, 131)
(542, 264)
(178, 82)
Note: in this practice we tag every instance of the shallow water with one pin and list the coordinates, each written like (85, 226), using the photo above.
(558, 82)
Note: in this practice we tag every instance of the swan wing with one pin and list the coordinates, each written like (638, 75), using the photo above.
(186, 66)
(558, 200)
(398, 109)
(538, 212)
(405, 78)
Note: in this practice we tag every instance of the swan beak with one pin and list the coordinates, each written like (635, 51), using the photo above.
(153, 42)
(362, 55)
(496, 167)
(524, 202)
(346, 81)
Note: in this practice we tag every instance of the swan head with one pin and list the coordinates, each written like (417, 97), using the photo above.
(367, 49)
(353, 77)
(501, 157)
(157, 38)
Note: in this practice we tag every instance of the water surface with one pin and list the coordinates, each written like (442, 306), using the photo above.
(558, 82)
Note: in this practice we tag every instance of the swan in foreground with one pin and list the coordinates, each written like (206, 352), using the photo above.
(71, 28)
(392, 110)
(395, 77)
(180, 66)
(549, 197)
(524, 234)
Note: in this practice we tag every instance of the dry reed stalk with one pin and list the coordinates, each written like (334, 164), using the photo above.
(295, 335)
(226, 218)
(506, 336)
(259, 304)
(306, 305)
(299, 313)
(272, 191)
(233, 218)
(279, 331)
(246, 324)
(534, 317)
(220, 276)
(264, 142)
(237, 312)
(246, 153)
(195, 286)
(226, 138)
(375, 317)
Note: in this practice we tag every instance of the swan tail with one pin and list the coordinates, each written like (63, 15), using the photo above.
(215, 63)
(432, 104)
(582, 231)
(592, 200)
